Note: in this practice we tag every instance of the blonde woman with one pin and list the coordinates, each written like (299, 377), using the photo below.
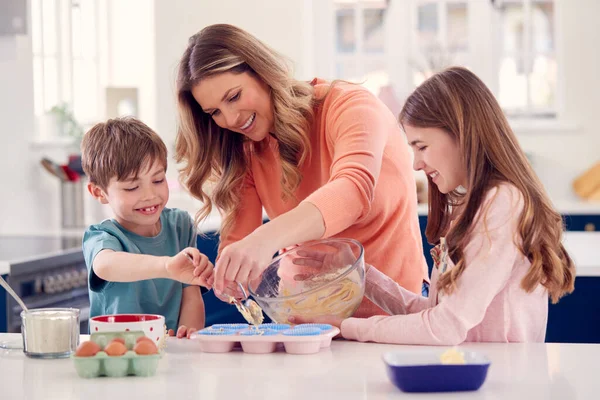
(322, 159)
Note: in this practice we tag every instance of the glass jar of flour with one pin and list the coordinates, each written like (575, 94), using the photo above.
(50, 332)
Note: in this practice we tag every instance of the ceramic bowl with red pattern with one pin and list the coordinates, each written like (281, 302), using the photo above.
(152, 325)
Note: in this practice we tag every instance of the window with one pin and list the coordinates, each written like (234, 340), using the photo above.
(360, 42)
(65, 63)
(440, 37)
(398, 44)
(522, 42)
(527, 65)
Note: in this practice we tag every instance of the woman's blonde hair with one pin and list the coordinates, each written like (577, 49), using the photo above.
(458, 102)
(220, 155)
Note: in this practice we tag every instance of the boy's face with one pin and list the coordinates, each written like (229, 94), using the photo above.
(137, 202)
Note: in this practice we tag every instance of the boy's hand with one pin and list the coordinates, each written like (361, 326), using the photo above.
(182, 267)
(185, 332)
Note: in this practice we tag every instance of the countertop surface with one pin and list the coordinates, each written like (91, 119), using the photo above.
(347, 370)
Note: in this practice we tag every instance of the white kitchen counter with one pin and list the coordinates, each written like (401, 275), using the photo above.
(349, 370)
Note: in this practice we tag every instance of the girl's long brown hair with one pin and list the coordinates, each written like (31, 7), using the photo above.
(211, 153)
(458, 102)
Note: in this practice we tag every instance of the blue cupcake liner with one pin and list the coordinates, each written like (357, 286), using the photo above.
(258, 332)
(235, 327)
(277, 327)
(322, 327)
(217, 332)
(307, 331)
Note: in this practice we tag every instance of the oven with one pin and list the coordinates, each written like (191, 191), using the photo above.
(55, 277)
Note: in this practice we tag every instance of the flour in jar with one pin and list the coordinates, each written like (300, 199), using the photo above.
(50, 331)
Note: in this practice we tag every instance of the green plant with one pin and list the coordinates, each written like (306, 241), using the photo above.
(67, 123)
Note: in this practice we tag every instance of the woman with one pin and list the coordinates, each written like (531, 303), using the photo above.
(322, 159)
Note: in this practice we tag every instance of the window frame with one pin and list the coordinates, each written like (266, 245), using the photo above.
(65, 58)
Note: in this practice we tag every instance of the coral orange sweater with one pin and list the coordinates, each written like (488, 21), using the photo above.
(360, 178)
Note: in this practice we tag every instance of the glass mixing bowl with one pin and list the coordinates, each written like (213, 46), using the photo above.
(318, 278)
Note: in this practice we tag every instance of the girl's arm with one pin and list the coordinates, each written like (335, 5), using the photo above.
(490, 257)
(391, 297)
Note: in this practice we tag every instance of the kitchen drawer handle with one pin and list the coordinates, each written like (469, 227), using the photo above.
(589, 227)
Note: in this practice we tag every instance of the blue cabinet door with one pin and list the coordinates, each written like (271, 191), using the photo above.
(426, 246)
(576, 317)
(582, 222)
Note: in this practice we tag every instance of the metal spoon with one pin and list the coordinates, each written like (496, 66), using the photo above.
(247, 307)
(6, 286)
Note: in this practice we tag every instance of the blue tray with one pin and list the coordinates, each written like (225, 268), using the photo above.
(421, 371)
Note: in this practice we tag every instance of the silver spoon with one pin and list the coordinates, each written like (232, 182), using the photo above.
(246, 306)
(6, 286)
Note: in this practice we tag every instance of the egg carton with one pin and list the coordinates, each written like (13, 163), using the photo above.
(266, 338)
(129, 363)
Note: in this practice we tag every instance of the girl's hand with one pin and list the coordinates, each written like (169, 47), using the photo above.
(189, 266)
(242, 261)
(331, 256)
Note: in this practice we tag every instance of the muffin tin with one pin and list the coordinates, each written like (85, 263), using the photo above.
(266, 338)
(130, 363)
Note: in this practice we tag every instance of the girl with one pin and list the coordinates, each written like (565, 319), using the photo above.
(499, 253)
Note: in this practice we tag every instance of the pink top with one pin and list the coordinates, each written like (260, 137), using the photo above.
(359, 177)
(488, 305)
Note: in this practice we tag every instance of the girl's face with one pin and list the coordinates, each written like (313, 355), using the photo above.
(437, 154)
(238, 102)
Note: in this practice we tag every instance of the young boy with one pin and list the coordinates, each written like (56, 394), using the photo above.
(142, 261)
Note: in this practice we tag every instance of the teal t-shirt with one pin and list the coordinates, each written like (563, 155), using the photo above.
(151, 296)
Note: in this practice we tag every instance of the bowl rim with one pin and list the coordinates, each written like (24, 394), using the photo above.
(156, 318)
(388, 354)
(299, 247)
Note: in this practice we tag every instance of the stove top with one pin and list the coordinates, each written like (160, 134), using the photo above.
(14, 248)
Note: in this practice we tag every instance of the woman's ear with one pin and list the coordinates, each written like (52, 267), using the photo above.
(97, 193)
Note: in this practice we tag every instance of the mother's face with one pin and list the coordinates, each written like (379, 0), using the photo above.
(238, 102)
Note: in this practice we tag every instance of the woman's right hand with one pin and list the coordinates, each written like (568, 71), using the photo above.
(242, 261)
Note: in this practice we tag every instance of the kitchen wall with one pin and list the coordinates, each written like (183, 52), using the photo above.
(141, 32)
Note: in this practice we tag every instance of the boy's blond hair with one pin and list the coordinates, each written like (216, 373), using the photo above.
(121, 148)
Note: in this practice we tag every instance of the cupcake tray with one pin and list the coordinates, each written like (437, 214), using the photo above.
(266, 338)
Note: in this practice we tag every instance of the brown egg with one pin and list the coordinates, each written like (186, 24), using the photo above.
(142, 338)
(87, 349)
(145, 347)
(115, 348)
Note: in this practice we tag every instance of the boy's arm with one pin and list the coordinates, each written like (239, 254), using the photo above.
(191, 314)
(118, 266)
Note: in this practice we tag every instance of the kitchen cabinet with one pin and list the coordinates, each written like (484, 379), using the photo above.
(582, 222)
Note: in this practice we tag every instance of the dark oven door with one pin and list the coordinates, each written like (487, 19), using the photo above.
(58, 280)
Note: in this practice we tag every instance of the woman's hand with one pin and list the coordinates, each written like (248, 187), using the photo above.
(242, 261)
